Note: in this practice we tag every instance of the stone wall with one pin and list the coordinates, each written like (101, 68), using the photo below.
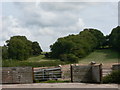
(17, 75)
(88, 73)
(116, 67)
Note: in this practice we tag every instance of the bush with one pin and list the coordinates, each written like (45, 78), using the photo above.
(114, 77)
(69, 57)
(48, 54)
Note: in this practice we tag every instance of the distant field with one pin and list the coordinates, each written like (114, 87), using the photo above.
(38, 61)
(99, 56)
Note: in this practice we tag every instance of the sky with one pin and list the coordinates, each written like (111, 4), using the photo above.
(45, 22)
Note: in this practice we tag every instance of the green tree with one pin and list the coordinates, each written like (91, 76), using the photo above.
(60, 47)
(4, 52)
(36, 48)
(99, 36)
(114, 38)
(20, 48)
(79, 45)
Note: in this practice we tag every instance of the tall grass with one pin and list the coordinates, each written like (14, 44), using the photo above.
(16, 63)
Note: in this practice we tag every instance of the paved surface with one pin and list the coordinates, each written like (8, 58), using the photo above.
(60, 85)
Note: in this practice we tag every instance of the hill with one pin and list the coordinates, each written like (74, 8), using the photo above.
(101, 56)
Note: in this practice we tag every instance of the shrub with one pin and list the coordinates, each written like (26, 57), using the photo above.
(63, 57)
(48, 54)
(69, 57)
(114, 77)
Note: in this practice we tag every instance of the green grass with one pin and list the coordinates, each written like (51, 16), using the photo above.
(101, 56)
(37, 61)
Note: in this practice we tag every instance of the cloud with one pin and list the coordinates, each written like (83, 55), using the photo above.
(41, 17)
(61, 6)
(38, 22)
(46, 21)
(11, 27)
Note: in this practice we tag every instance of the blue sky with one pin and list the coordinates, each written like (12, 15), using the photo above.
(46, 21)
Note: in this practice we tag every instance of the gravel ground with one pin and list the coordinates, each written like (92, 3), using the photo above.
(60, 85)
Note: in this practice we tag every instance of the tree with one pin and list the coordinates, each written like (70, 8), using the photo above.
(20, 48)
(60, 47)
(114, 38)
(99, 36)
(78, 45)
(36, 48)
(4, 52)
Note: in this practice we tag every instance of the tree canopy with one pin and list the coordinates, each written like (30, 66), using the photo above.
(114, 38)
(20, 48)
(36, 49)
(79, 45)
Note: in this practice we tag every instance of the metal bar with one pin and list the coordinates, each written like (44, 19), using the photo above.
(45, 76)
(48, 74)
(48, 69)
(44, 79)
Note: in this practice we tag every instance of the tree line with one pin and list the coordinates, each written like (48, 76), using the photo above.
(20, 48)
(73, 47)
(77, 46)
(69, 48)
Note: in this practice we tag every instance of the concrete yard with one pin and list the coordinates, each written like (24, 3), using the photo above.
(60, 85)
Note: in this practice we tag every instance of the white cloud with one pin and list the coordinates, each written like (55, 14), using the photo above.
(45, 22)
(11, 27)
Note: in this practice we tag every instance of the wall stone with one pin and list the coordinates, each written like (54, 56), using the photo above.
(88, 73)
(17, 75)
(116, 67)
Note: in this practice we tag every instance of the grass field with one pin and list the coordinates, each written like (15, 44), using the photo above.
(38, 61)
(99, 56)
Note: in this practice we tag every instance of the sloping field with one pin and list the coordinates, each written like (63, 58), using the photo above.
(104, 56)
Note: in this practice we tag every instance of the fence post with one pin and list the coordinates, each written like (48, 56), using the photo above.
(100, 66)
(61, 70)
(33, 74)
(71, 72)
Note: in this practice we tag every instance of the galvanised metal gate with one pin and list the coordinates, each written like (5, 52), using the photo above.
(47, 74)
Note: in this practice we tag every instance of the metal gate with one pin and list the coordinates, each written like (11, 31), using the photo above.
(47, 74)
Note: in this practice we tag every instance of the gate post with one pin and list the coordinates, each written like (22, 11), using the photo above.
(100, 66)
(71, 72)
